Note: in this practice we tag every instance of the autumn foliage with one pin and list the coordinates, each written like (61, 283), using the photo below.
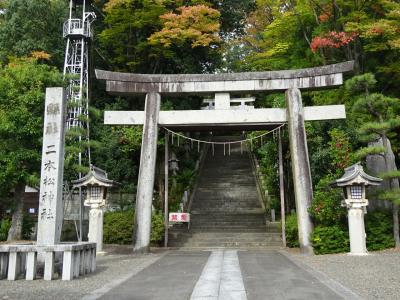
(332, 39)
(197, 25)
(41, 55)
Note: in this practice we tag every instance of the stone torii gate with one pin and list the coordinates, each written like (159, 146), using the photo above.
(291, 81)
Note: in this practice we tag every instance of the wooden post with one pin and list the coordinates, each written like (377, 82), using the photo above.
(166, 220)
(148, 155)
(300, 167)
(281, 189)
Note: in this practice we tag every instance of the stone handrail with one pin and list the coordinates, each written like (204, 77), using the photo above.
(260, 189)
(78, 259)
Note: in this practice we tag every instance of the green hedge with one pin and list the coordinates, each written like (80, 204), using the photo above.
(330, 239)
(335, 238)
(5, 225)
(157, 228)
(28, 224)
(118, 227)
(292, 236)
(379, 229)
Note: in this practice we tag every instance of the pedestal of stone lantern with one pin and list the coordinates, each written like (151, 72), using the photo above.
(355, 215)
(96, 215)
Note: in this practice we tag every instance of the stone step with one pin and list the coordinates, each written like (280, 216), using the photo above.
(192, 241)
(224, 235)
(209, 206)
(233, 216)
(225, 197)
(230, 220)
(220, 208)
(226, 244)
(229, 228)
(226, 211)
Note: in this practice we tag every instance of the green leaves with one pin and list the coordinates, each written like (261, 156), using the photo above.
(330, 239)
(33, 25)
(118, 227)
(326, 209)
(391, 174)
(379, 230)
(361, 83)
(22, 91)
(363, 152)
(292, 235)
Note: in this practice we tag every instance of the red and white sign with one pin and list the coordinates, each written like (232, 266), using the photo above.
(179, 217)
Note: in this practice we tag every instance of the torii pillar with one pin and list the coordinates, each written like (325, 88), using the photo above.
(302, 182)
(144, 195)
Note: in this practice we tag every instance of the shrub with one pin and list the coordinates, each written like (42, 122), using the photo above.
(118, 227)
(157, 228)
(5, 225)
(326, 209)
(379, 229)
(28, 224)
(292, 236)
(330, 239)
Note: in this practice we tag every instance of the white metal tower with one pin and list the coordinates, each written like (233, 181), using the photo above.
(78, 34)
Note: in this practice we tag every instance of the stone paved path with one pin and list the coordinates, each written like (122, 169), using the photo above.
(222, 275)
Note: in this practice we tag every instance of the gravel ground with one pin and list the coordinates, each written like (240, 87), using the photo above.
(375, 276)
(110, 267)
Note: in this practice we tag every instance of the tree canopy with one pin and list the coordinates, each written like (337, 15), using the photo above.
(22, 89)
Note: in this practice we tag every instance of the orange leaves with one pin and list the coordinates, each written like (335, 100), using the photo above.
(111, 4)
(198, 25)
(40, 55)
(324, 17)
(332, 39)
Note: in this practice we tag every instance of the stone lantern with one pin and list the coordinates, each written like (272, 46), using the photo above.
(354, 181)
(96, 184)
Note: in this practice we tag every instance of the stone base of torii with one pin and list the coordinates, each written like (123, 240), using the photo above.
(222, 85)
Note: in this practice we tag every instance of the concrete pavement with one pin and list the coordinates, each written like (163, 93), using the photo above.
(223, 274)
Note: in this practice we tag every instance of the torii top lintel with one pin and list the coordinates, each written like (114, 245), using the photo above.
(311, 78)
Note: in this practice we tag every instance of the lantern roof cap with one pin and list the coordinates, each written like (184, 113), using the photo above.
(355, 175)
(96, 176)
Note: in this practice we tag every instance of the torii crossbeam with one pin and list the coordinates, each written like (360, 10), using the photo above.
(238, 119)
(223, 117)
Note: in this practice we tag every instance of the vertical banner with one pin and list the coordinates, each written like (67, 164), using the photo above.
(50, 214)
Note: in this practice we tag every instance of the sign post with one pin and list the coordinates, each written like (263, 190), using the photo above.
(50, 214)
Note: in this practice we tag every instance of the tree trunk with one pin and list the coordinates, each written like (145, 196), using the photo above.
(161, 186)
(396, 225)
(15, 232)
(394, 184)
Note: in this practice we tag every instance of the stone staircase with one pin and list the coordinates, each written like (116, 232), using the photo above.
(226, 210)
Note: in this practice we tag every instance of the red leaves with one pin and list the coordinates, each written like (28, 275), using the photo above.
(324, 17)
(332, 39)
